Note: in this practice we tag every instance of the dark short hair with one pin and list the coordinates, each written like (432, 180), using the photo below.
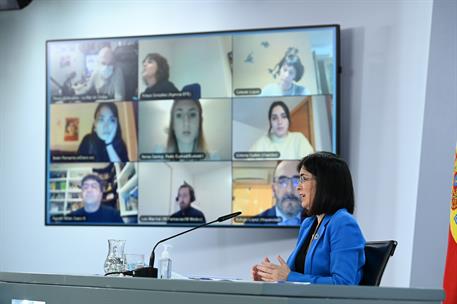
(334, 189)
(163, 69)
(96, 178)
(283, 105)
(296, 64)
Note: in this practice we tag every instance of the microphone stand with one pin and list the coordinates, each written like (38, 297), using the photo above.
(151, 271)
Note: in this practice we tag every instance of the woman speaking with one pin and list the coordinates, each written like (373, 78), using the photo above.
(330, 246)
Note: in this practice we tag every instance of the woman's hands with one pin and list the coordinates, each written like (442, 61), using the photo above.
(109, 136)
(106, 128)
(269, 272)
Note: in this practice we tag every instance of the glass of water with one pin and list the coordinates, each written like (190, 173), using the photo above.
(133, 261)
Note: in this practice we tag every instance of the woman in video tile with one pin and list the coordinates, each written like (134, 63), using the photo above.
(156, 72)
(105, 141)
(185, 130)
(288, 72)
(290, 145)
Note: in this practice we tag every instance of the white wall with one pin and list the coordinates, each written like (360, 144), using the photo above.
(155, 202)
(214, 196)
(385, 48)
(322, 129)
(438, 147)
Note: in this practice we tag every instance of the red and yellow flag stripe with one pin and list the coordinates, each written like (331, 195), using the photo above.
(450, 272)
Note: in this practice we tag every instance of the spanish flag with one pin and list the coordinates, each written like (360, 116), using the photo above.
(450, 272)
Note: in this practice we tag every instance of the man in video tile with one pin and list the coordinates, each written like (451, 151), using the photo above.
(287, 209)
(186, 214)
(93, 210)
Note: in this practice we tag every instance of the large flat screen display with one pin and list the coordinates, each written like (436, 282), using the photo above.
(177, 130)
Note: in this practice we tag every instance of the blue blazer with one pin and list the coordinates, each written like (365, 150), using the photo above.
(335, 256)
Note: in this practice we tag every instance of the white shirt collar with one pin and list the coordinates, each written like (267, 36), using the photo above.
(284, 217)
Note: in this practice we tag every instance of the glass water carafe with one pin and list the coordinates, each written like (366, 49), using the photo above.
(115, 259)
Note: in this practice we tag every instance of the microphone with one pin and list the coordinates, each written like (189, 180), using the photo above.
(227, 217)
(151, 271)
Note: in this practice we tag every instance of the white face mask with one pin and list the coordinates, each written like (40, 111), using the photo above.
(106, 71)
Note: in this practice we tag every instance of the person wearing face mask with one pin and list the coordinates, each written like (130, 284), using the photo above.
(106, 80)
(290, 145)
(288, 72)
(287, 210)
(105, 142)
(330, 246)
(156, 72)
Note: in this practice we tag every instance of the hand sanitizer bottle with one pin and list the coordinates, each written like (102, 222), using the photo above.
(165, 263)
